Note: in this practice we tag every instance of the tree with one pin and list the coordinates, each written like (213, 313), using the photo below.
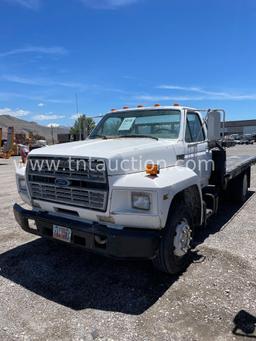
(83, 126)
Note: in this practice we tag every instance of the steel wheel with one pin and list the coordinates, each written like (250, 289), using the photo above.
(173, 255)
(182, 238)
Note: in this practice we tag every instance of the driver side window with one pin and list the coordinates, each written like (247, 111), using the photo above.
(194, 128)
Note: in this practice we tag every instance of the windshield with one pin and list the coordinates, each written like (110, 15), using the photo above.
(140, 123)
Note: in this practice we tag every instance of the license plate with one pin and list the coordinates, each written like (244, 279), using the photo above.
(62, 233)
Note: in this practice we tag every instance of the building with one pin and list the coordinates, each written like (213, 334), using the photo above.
(240, 127)
(64, 138)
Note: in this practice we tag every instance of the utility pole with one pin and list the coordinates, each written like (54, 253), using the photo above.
(85, 127)
(81, 123)
(52, 134)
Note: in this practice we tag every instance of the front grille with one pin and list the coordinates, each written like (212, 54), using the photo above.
(75, 197)
(86, 181)
(75, 168)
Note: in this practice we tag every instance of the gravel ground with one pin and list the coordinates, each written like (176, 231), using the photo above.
(50, 291)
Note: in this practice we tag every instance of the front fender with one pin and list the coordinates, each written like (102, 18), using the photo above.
(167, 184)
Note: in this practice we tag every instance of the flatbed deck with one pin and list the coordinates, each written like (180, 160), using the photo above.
(235, 165)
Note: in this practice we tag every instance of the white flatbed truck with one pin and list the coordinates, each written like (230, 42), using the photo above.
(150, 177)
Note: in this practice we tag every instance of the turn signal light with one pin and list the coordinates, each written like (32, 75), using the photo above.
(152, 169)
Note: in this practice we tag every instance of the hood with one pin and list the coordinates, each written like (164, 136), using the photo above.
(123, 156)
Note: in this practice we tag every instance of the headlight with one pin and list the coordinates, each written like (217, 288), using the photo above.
(141, 201)
(22, 185)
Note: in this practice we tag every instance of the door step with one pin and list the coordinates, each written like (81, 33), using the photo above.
(211, 201)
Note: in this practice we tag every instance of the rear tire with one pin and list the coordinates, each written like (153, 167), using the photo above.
(174, 252)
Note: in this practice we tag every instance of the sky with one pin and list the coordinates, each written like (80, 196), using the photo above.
(113, 53)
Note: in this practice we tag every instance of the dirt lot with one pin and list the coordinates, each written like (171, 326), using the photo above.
(50, 291)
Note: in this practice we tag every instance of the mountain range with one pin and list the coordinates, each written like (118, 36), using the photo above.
(22, 126)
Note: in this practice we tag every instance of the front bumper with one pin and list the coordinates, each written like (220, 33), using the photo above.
(125, 243)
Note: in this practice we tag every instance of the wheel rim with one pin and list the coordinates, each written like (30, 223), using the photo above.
(182, 238)
(245, 185)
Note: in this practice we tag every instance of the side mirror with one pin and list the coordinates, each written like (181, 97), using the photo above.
(214, 125)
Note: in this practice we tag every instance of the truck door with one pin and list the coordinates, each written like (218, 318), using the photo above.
(197, 155)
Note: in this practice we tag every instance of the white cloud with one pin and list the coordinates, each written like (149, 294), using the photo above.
(4, 96)
(47, 117)
(200, 94)
(178, 87)
(48, 82)
(40, 105)
(53, 125)
(19, 80)
(195, 89)
(108, 4)
(54, 50)
(98, 4)
(42, 82)
(15, 113)
(21, 113)
(29, 4)
(58, 101)
(154, 98)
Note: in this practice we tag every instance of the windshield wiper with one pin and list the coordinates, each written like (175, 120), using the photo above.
(142, 136)
(103, 137)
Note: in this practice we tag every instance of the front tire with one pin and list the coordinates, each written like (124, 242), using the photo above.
(174, 252)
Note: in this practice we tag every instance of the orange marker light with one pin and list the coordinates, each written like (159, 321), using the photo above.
(113, 110)
(140, 106)
(125, 108)
(152, 169)
(157, 105)
(176, 105)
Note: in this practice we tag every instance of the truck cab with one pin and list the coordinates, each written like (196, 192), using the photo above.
(138, 187)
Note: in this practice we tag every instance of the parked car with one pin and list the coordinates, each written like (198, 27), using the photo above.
(228, 142)
(248, 139)
(237, 138)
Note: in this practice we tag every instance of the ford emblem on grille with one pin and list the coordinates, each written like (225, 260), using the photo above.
(62, 182)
